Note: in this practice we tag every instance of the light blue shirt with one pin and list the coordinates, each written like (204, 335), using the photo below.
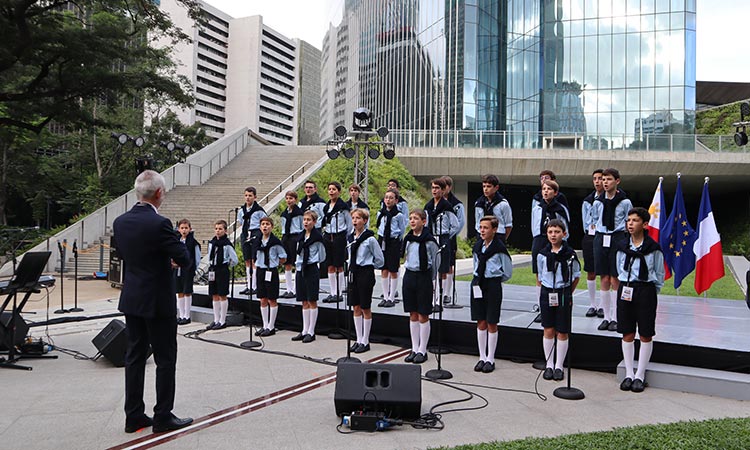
(448, 225)
(398, 225)
(411, 257)
(460, 211)
(340, 222)
(654, 261)
(368, 253)
(197, 257)
(229, 255)
(277, 252)
(317, 255)
(254, 218)
(498, 266)
(555, 280)
(502, 211)
(621, 215)
(318, 208)
(588, 216)
(536, 218)
(296, 226)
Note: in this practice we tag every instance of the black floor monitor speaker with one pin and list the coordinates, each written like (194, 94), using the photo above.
(393, 389)
(6, 334)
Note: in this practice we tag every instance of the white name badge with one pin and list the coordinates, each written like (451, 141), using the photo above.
(382, 245)
(553, 299)
(179, 271)
(592, 231)
(606, 240)
(477, 291)
(627, 294)
(211, 276)
(268, 275)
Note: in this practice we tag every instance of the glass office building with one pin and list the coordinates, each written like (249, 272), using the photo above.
(609, 71)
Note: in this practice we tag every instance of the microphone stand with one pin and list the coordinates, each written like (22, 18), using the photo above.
(234, 240)
(348, 358)
(453, 304)
(439, 373)
(250, 343)
(439, 350)
(61, 249)
(567, 392)
(336, 333)
(75, 278)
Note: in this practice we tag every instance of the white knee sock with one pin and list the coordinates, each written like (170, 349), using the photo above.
(367, 326)
(435, 294)
(628, 354)
(188, 299)
(180, 312)
(255, 279)
(393, 282)
(414, 333)
(342, 283)
(538, 292)
(217, 311)
(332, 282)
(644, 356)
(224, 308)
(449, 286)
(482, 344)
(386, 288)
(613, 302)
(562, 351)
(273, 311)
(358, 327)
(424, 336)
(305, 321)
(289, 281)
(313, 320)
(492, 345)
(605, 302)
(249, 276)
(591, 288)
(548, 345)
(264, 315)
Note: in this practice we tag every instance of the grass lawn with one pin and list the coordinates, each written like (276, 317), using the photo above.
(725, 287)
(726, 434)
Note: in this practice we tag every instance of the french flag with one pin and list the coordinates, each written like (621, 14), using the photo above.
(709, 265)
(658, 218)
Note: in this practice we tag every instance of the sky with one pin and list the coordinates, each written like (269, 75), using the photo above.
(722, 54)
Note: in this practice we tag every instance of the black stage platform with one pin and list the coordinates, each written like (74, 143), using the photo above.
(697, 332)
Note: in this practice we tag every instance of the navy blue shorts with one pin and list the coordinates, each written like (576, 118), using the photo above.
(335, 245)
(587, 244)
(220, 285)
(557, 317)
(444, 241)
(391, 254)
(308, 283)
(289, 241)
(417, 292)
(361, 284)
(488, 307)
(537, 244)
(267, 289)
(639, 312)
(605, 258)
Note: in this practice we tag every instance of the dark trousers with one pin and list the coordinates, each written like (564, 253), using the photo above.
(161, 334)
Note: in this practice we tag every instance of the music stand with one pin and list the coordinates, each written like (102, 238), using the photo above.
(26, 279)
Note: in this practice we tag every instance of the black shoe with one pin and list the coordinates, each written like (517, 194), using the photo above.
(245, 291)
(179, 320)
(420, 358)
(288, 294)
(353, 348)
(135, 425)
(211, 326)
(389, 304)
(558, 375)
(220, 326)
(299, 337)
(329, 299)
(186, 321)
(604, 326)
(626, 384)
(538, 318)
(395, 300)
(446, 299)
(395, 296)
(437, 308)
(410, 357)
(253, 291)
(260, 331)
(174, 423)
(600, 313)
(268, 332)
(479, 366)
(362, 348)
(382, 304)
(612, 326)
(308, 338)
(638, 385)
(488, 367)
(382, 295)
(338, 298)
(591, 312)
(548, 373)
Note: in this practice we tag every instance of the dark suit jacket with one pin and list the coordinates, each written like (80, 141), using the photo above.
(146, 242)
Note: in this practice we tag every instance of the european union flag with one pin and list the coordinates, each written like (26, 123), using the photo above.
(677, 239)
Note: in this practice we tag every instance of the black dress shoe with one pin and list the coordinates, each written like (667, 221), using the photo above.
(558, 375)
(548, 373)
(604, 326)
(211, 326)
(591, 312)
(626, 384)
(638, 385)
(446, 299)
(308, 338)
(437, 308)
(220, 326)
(362, 348)
(479, 366)
(612, 326)
(354, 346)
(600, 313)
(186, 321)
(410, 357)
(299, 337)
(382, 303)
(260, 331)
(135, 425)
(389, 304)
(488, 367)
(174, 423)
(328, 299)
(179, 320)
(268, 332)
(538, 318)
(420, 358)
(245, 291)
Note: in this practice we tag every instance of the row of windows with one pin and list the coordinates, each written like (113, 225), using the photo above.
(208, 127)
(276, 39)
(211, 50)
(263, 87)
(278, 61)
(216, 63)
(276, 82)
(276, 102)
(209, 105)
(210, 38)
(268, 132)
(279, 51)
(281, 73)
(275, 123)
(210, 16)
(202, 91)
(211, 72)
(271, 112)
(206, 115)
(211, 83)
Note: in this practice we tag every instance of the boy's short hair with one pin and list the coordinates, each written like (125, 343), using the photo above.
(494, 223)
(222, 222)
(312, 214)
(393, 191)
(362, 212)
(355, 186)
(393, 180)
(335, 184)
(549, 173)
(311, 182)
(184, 221)
(611, 171)
(440, 181)
(597, 171)
(251, 189)
(555, 187)
(419, 213)
(640, 212)
(557, 223)
(291, 194)
(448, 180)
(490, 179)
(266, 219)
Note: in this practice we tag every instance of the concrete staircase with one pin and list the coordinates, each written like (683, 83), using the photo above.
(263, 167)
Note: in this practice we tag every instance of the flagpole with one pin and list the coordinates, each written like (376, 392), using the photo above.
(705, 293)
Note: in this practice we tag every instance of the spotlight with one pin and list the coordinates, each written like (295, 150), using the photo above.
(362, 119)
(383, 132)
(740, 137)
(389, 152)
(170, 146)
(744, 110)
(373, 151)
(349, 151)
(333, 153)
(340, 131)
(187, 149)
(139, 141)
(121, 138)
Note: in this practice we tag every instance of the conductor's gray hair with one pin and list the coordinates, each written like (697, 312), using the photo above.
(147, 183)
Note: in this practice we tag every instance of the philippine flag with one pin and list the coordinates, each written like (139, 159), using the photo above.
(658, 218)
(709, 265)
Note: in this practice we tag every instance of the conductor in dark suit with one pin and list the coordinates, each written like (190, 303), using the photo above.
(149, 246)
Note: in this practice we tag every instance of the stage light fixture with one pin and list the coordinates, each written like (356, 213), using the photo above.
(333, 153)
(362, 119)
(389, 152)
(138, 141)
(740, 137)
(744, 110)
(383, 132)
(349, 151)
(187, 149)
(121, 138)
(170, 146)
(373, 151)
(340, 131)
